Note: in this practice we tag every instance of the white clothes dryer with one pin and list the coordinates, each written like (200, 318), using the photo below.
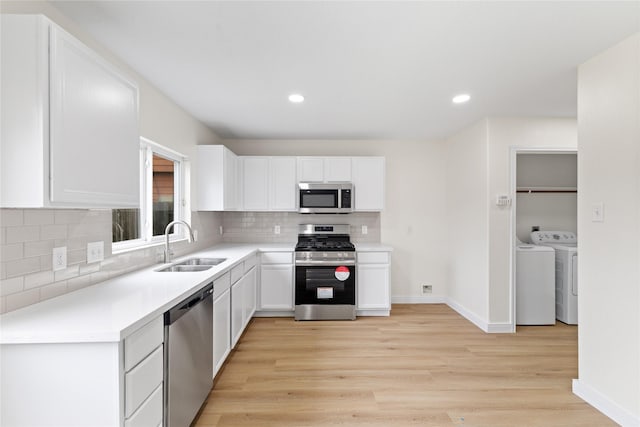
(565, 243)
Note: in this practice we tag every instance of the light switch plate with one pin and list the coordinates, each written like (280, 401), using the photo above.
(59, 259)
(597, 212)
(95, 252)
(365, 229)
(276, 229)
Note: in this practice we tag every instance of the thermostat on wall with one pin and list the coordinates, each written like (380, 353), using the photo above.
(502, 200)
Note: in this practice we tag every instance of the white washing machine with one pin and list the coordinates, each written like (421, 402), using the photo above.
(565, 243)
(535, 285)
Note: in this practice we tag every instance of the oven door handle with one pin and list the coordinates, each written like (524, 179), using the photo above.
(324, 263)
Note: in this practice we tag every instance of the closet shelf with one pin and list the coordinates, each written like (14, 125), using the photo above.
(546, 190)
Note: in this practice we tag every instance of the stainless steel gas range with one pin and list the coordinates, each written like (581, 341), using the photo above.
(325, 285)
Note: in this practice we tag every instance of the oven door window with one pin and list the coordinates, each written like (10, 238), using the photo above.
(325, 285)
(318, 198)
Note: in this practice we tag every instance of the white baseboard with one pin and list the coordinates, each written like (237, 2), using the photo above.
(469, 315)
(422, 299)
(603, 404)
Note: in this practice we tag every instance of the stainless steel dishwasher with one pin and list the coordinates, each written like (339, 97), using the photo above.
(188, 357)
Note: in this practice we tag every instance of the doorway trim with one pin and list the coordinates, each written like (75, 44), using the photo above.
(514, 151)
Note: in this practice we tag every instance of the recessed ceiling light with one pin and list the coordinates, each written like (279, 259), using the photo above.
(461, 99)
(296, 98)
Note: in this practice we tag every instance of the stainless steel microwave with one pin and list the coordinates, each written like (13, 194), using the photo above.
(325, 198)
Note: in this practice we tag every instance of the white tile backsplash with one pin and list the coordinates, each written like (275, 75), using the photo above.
(11, 217)
(11, 252)
(38, 216)
(52, 232)
(241, 227)
(28, 236)
(11, 286)
(23, 233)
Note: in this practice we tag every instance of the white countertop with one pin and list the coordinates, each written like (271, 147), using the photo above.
(111, 310)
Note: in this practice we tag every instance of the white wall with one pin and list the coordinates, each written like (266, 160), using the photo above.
(27, 236)
(414, 216)
(479, 169)
(504, 133)
(467, 221)
(609, 267)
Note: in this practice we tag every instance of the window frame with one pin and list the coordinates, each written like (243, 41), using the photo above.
(147, 150)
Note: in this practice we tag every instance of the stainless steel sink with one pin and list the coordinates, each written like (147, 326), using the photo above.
(202, 261)
(184, 268)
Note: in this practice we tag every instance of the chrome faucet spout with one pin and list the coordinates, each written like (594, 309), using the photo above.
(167, 252)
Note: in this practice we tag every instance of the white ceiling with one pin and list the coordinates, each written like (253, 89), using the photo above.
(368, 70)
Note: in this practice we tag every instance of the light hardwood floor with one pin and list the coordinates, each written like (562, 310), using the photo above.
(425, 365)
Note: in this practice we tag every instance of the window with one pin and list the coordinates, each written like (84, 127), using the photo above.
(161, 199)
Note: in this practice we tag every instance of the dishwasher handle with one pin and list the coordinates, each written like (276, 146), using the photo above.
(184, 306)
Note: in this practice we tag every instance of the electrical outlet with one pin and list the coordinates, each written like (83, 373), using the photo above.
(195, 235)
(276, 229)
(95, 252)
(59, 258)
(427, 289)
(365, 229)
(221, 230)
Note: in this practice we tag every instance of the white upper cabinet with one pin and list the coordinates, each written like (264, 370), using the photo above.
(310, 169)
(282, 184)
(255, 173)
(70, 135)
(217, 179)
(324, 169)
(269, 183)
(368, 176)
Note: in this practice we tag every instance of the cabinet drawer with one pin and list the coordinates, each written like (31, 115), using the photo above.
(276, 258)
(221, 284)
(149, 413)
(237, 272)
(139, 344)
(249, 263)
(140, 382)
(373, 257)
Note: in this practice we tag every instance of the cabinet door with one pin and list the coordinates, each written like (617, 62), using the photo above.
(368, 177)
(276, 287)
(249, 295)
(230, 185)
(337, 169)
(24, 77)
(221, 329)
(310, 169)
(237, 311)
(282, 179)
(94, 132)
(256, 183)
(373, 286)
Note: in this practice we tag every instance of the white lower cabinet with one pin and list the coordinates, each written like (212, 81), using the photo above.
(276, 281)
(149, 413)
(85, 383)
(243, 297)
(221, 329)
(237, 309)
(144, 370)
(248, 296)
(373, 284)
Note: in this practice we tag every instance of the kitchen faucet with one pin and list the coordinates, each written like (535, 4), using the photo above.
(167, 252)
